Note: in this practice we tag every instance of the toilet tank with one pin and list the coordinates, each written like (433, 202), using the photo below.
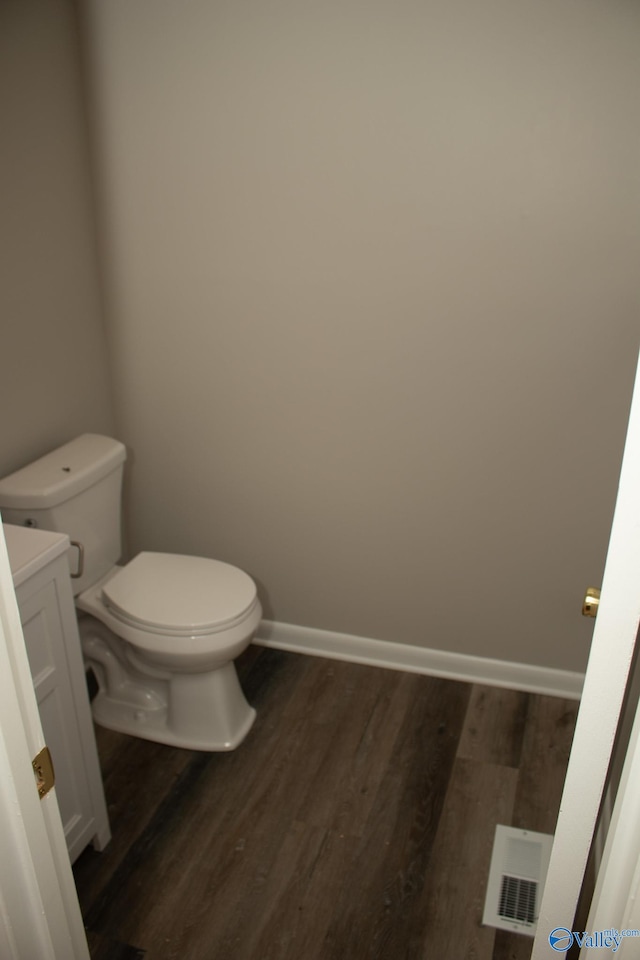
(75, 489)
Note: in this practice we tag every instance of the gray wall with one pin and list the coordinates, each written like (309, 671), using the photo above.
(372, 296)
(54, 380)
(374, 283)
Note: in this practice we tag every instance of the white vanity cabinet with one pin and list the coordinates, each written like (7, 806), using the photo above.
(40, 570)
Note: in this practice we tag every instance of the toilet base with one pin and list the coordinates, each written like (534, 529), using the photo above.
(202, 711)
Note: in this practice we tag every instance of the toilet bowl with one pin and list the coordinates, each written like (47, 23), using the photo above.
(160, 632)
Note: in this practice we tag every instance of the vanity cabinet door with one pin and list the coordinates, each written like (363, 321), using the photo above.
(58, 678)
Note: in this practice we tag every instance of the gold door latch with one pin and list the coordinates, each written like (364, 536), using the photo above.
(44, 773)
(591, 602)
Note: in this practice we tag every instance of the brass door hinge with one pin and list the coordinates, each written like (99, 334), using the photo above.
(44, 773)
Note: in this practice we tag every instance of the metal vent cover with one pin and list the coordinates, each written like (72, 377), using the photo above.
(517, 874)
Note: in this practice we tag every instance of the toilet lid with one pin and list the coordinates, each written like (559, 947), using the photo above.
(173, 594)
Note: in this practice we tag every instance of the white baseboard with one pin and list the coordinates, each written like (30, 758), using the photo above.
(436, 663)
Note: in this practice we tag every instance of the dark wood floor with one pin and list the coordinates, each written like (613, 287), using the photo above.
(356, 821)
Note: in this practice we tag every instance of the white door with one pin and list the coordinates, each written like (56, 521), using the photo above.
(612, 649)
(39, 912)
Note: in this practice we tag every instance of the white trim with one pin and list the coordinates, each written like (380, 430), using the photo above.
(436, 663)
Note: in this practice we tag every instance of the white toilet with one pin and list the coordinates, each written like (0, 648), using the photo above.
(161, 632)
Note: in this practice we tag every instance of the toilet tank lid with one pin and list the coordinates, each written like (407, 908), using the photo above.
(62, 473)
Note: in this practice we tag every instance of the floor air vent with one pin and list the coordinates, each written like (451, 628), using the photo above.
(516, 879)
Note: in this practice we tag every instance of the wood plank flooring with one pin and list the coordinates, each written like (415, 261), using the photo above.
(356, 821)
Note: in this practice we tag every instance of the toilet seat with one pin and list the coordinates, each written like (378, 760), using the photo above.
(177, 596)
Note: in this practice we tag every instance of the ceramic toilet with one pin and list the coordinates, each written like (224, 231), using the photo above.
(160, 632)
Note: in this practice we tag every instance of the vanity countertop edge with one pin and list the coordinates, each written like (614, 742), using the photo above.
(30, 550)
